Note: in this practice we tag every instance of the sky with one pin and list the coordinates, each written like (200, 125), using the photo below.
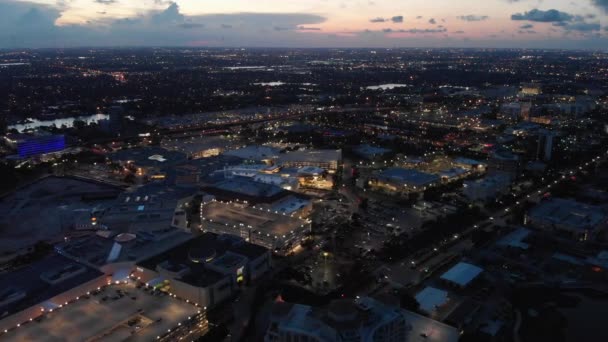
(570, 24)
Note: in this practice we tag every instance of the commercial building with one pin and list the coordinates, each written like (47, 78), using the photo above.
(371, 152)
(487, 188)
(197, 147)
(148, 160)
(403, 180)
(245, 189)
(254, 153)
(44, 284)
(329, 160)
(461, 275)
(430, 299)
(364, 319)
(279, 232)
(205, 270)
(568, 217)
(471, 165)
(36, 144)
(116, 312)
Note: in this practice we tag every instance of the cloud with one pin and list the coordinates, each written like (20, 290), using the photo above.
(28, 24)
(583, 27)
(105, 2)
(472, 17)
(397, 19)
(458, 32)
(526, 26)
(549, 16)
(377, 20)
(432, 21)
(304, 28)
(601, 4)
(422, 31)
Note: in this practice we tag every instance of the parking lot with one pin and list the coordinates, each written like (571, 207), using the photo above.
(116, 313)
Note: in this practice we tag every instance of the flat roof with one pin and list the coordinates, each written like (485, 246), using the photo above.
(262, 220)
(248, 187)
(93, 319)
(313, 156)
(289, 204)
(409, 176)
(433, 330)
(515, 239)
(42, 280)
(149, 156)
(431, 298)
(560, 211)
(206, 246)
(462, 273)
(254, 152)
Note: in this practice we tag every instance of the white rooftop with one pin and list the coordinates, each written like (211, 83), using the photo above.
(462, 273)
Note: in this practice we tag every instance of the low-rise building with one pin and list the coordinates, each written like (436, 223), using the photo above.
(461, 275)
(206, 270)
(364, 319)
(568, 217)
(487, 188)
(403, 180)
(329, 160)
(277, 231)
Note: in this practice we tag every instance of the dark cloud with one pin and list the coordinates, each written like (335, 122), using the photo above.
(583, 27)
(526, 26)
(303, 28)
(601, 4)
(397, 19)
(432, 21)
(377, 20)
(191, 25)
(549, 16)
(24, 24)
(472, 17)
(422, 31)
(105, 2)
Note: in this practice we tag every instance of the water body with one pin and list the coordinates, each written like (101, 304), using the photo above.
(271, 84)
(389, 86)
(68, 122)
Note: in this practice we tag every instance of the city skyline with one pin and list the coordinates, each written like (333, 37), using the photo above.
(318, 23)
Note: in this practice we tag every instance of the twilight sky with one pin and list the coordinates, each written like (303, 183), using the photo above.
(305, 23)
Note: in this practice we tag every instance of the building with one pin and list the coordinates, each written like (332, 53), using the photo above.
(471, 164)
(568, 217)
(404, 180)
(515, 239)
(430, 299)
(279, 232)
(461, 275)
(47, 283)
(35, 145)
(205, 270)
(488, 188)
(329, 160)
(197, 147)
(371, 152)
(245, 189)
(253, 153)
(148, 160)
(503, 160)
(364, 319)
